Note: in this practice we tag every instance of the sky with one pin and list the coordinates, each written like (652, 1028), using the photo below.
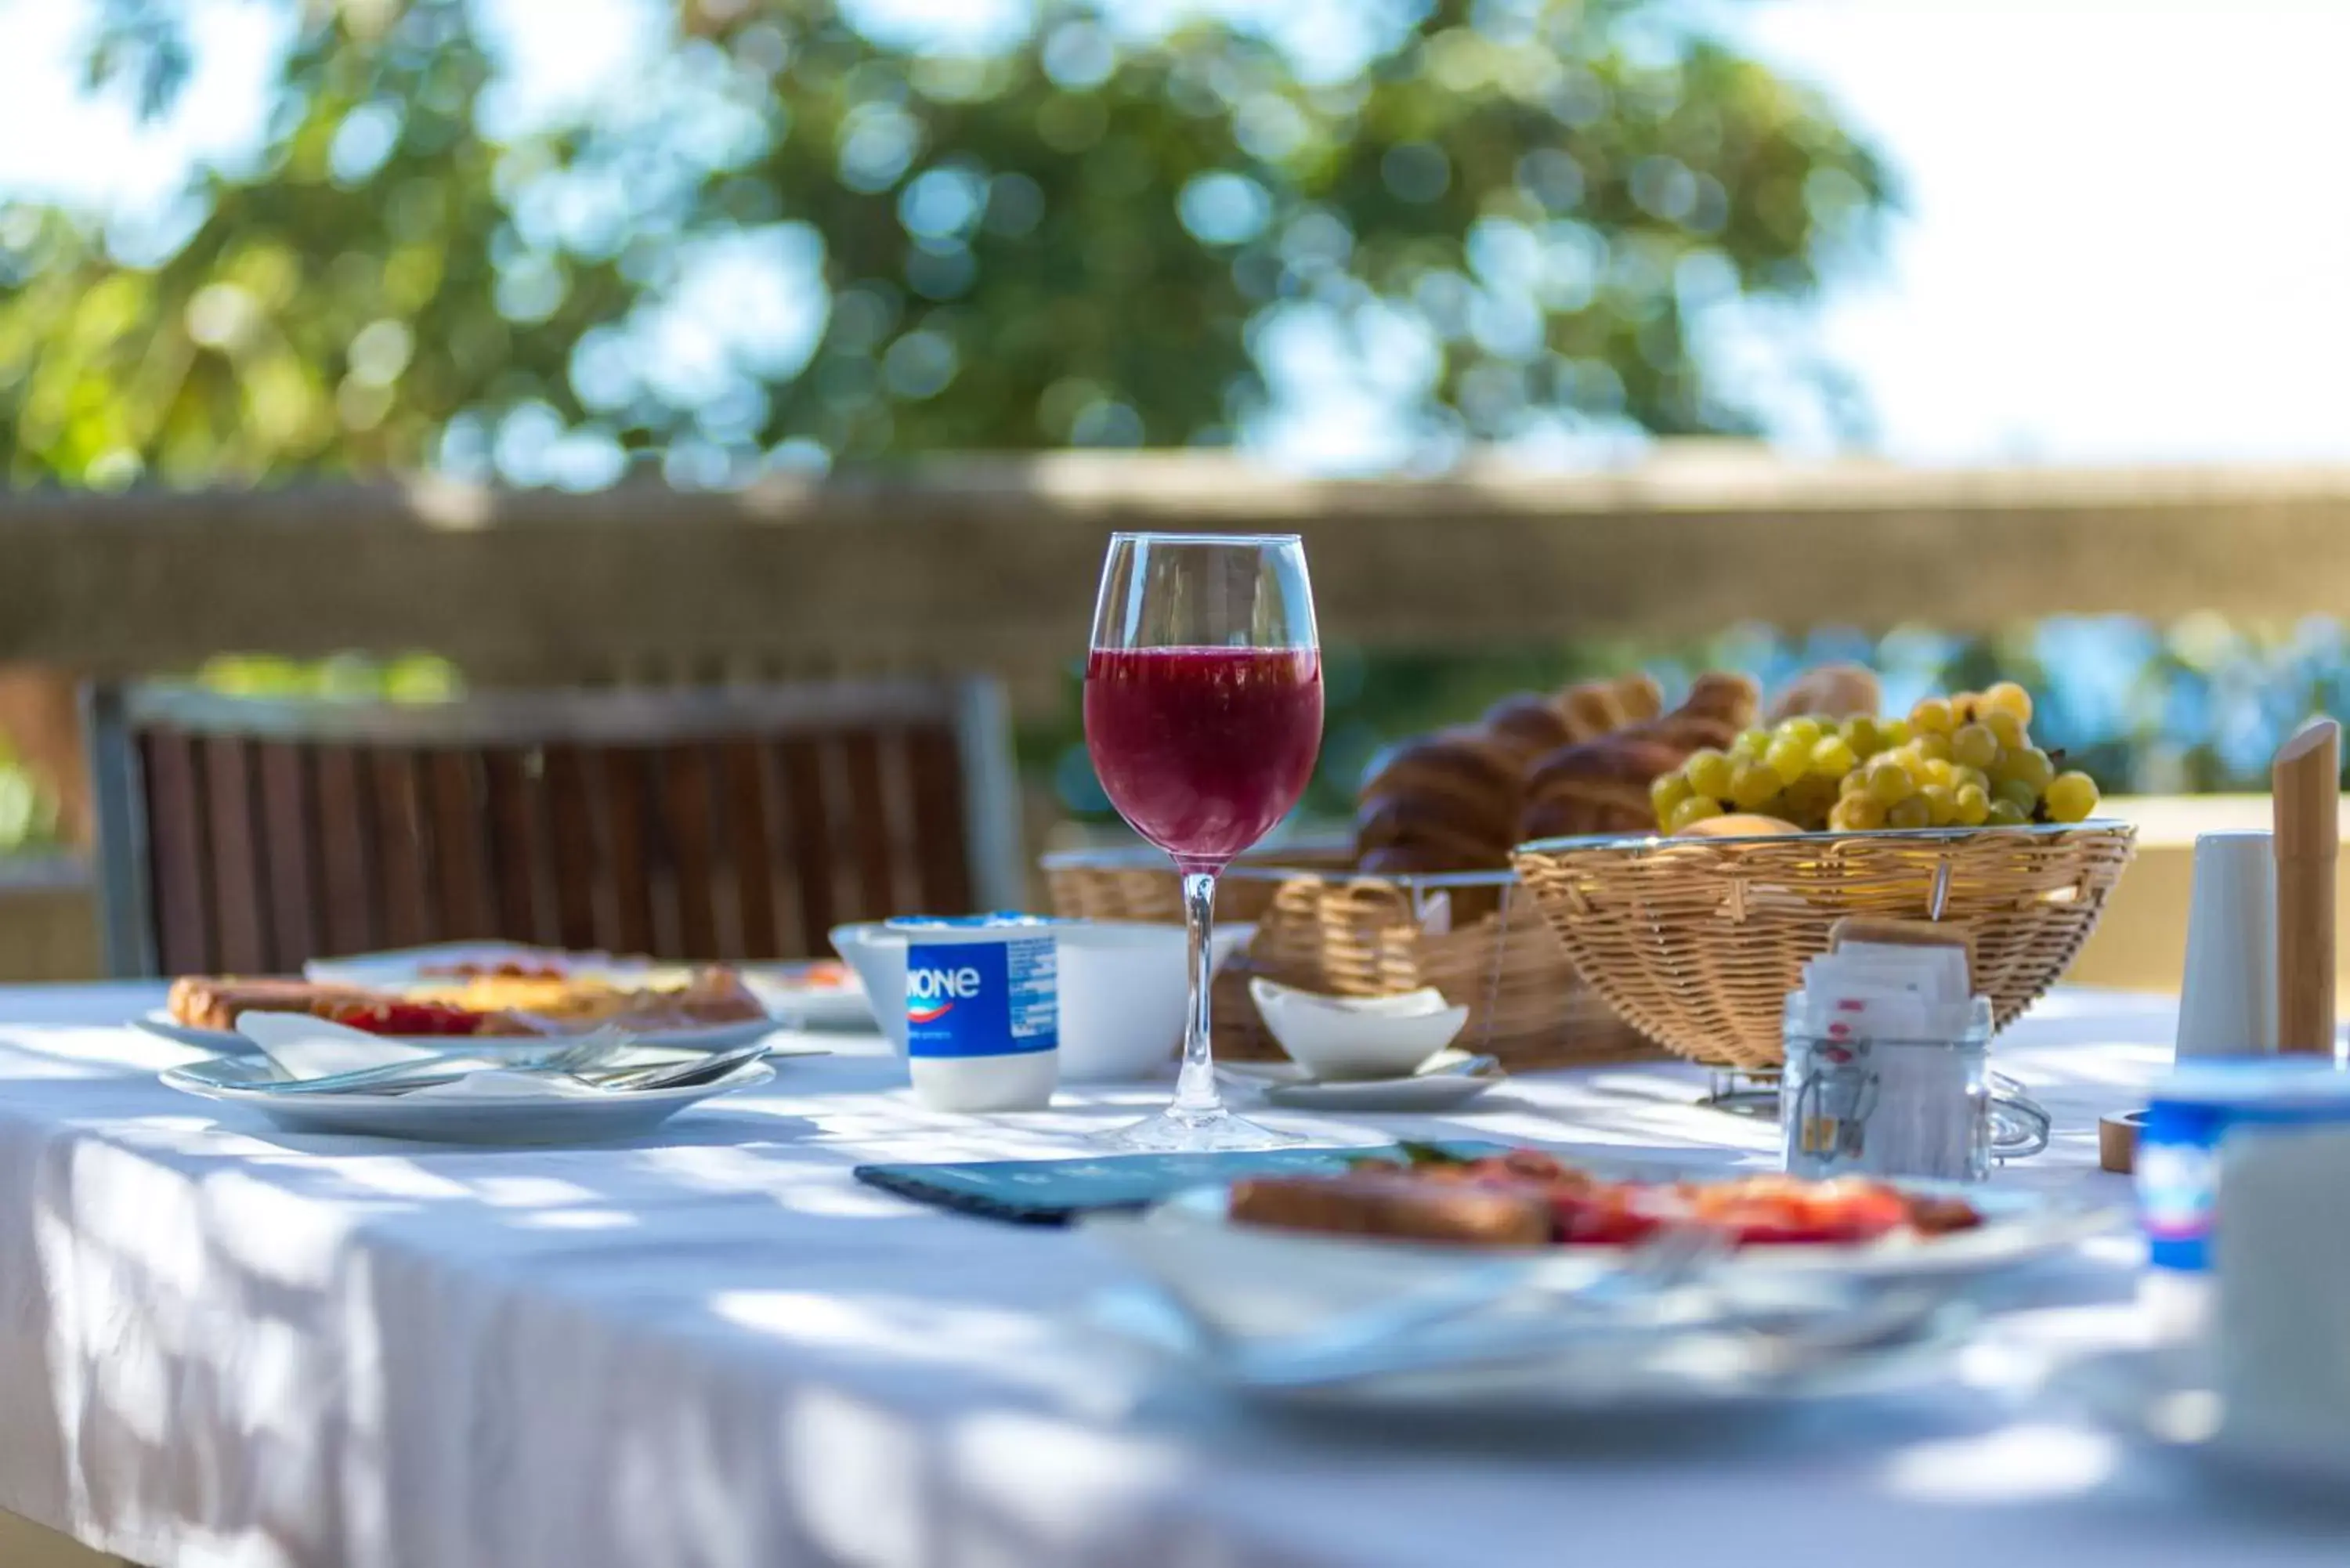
(2123, 239)
(2126, 241)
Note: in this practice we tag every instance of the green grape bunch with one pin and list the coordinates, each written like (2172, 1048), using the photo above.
(1962, 760)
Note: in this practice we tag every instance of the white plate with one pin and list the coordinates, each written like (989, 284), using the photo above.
(783, 991)
(1668, 1372)
(2162, 1396)
(1254, 1280)
(716, 1037)
(554, 1119)
(1446, 1079)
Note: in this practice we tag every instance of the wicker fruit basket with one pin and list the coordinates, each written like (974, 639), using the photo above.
(1696, 942)
(1321, 926)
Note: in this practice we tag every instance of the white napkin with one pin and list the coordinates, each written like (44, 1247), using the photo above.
(301, 1046)
(1886, 991)
(305, 1047)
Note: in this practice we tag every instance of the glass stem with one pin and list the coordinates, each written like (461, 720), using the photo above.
(1195, 1088)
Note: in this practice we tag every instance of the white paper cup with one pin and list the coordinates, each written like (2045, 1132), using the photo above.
(2228, 997)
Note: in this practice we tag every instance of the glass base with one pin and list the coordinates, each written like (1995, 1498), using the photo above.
(1179, 1131)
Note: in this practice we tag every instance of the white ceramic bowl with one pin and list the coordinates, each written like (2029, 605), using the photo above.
(1122, 991)
(1340, 1038)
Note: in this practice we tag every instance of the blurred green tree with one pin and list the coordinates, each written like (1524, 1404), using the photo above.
(1513, 212)
(787, 241)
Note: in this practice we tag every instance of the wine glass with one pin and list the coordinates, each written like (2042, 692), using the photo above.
(1203, 717)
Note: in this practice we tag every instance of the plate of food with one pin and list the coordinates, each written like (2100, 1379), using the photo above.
(813, 993)
(1519, 1280)
(1265, 1254)
(702, 1008)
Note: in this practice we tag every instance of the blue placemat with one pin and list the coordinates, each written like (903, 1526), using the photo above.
(1054, 1192)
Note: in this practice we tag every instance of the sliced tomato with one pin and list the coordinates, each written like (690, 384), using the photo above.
(399, 1017)
(1778, 1212)
(1604, 1216)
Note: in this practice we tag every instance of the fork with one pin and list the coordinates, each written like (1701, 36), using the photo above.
(679, 1074)
(428, 1072)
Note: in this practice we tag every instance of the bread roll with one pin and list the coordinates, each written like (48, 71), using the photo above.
(1396, 1205)
(217, 1002)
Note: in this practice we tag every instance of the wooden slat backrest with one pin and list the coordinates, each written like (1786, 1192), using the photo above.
(808, 840)
(943, 880)
(403, 890)
(343, 831)
(626, 853)
(687, 805)
(237, 917)
(517, 863)
(571, 849)
(250, 837)
(289, 863)
(457, 812)
(181, 859)
(746, 785)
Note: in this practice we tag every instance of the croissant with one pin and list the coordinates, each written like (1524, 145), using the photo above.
(1580, 761)
(1597, 708)
(1429, 828)
(1643, 699)
(1831, 691)
(1602, 785)
(1718, 706)
(1597, 786)
(1528, 724)
(1455, 796)
(1534, 726)
(1724, 696)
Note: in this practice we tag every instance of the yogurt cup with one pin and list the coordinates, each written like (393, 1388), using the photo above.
(982, 1008)
(2191, 1113)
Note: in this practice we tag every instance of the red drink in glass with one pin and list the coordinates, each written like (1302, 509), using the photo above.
(1203, 750)
(1204, 716)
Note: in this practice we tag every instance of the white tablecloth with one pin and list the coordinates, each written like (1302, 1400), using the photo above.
(223, 1343)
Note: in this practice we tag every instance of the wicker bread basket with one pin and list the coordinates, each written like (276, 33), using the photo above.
(1136, 884)
(1322, 926)
(1699, 941)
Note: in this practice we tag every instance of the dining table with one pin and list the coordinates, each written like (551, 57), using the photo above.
(711, 1346)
